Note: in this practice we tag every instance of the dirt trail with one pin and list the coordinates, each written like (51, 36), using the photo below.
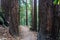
(25, 34)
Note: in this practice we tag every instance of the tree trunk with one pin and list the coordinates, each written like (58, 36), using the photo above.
(55, 26)
(48, 22)
(59, 21)
(14, 17)
(26, 14)
(42, 19)
(10, 8)
(34, 15)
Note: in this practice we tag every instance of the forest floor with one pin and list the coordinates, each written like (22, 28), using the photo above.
(25, 34)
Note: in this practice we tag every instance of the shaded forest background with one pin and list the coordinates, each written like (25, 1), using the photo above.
(42, 16)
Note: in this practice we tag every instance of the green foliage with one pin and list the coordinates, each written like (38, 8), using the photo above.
(23, 5)
(1, 20)
(56, 2)
(59, 2)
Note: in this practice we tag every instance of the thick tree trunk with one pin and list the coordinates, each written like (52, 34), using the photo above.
(59, 21)
(43, 20)
(14, 17)
(10, 7)
(55, 25)
(46, 19)
(34, 15)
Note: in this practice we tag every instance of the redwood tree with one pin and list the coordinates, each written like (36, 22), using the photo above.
(34, 15)
(10, 7)
(48, 20)
(14, 17)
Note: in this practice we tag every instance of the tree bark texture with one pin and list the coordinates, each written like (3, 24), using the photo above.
(10, 7)
(34, 15)
(48, 21)
(14, 17)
